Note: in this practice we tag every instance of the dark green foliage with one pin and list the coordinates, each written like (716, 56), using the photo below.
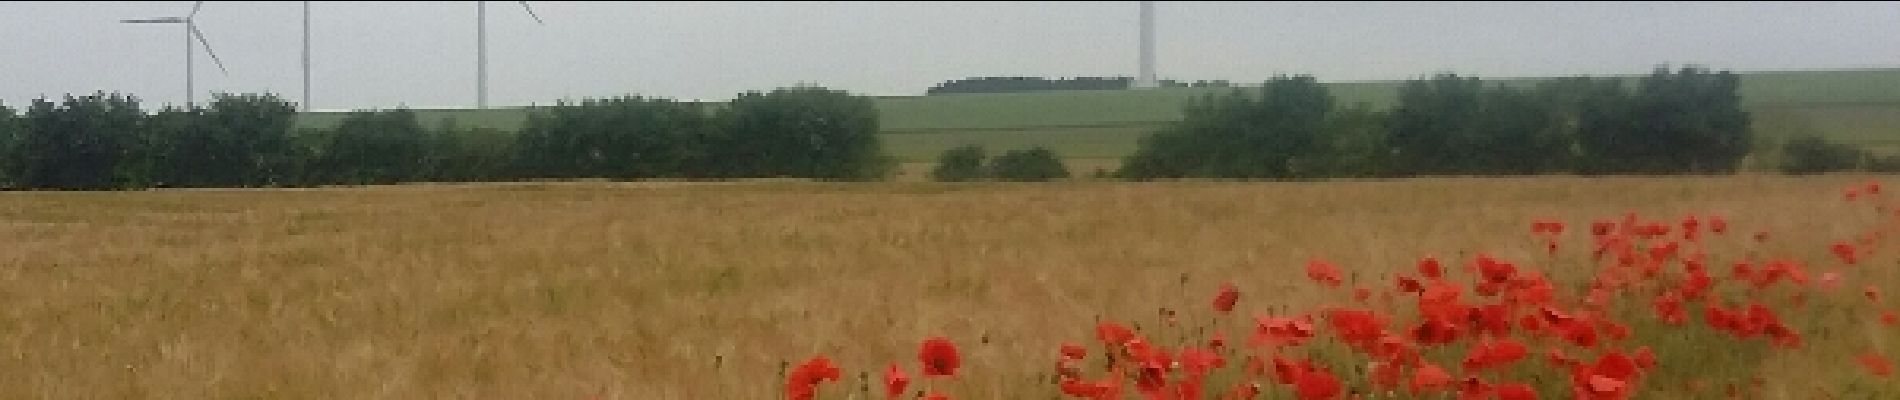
(625, 137)
(1036, 164)
(1812, 155)
(469, 155)
(960, 164)
(1453, 125)
(1278, 135)
(1357, 145)
(238, 141)
(91, 142)
(373, 147)
(9, 134)
(1690, 121)
(801, 132)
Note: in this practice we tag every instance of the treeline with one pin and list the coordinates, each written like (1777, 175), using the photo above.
(105, 141)
(1687, 121)
(1031, 84)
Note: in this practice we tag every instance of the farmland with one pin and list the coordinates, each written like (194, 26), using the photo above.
(1855, 106)
(696, 291)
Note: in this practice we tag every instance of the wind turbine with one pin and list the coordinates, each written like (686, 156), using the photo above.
(191, 32)
(481, 49)
(1146, 79)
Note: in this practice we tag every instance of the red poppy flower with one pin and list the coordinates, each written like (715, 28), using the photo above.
(1409, 285)
(1277, 331)
(1717, 224)
(1602, 228)
(1515, 391)
(802, 384)
(1198, 362)
(1873, 187)
(1286, 372)
(1844, 251)
(1431, 268)
(1645, 358)
(1877, 365)
(1113, 334)
(1074, 351)
(1317, 384)
(1889, 318)
(1325, 273)
(1224, 302)
(1429, 378)
(1387, 375)
(1360, 328)
(894, 382)
(1089, 390)
(939, 357)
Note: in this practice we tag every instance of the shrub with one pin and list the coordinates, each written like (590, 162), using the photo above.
(960, 164)
(1032, 165)
(622, 137)
(90, 142)
(1809, 154)
(1237, 136)
(373, 147)
(800, 132)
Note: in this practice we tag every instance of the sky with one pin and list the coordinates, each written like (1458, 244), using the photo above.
(423, 54)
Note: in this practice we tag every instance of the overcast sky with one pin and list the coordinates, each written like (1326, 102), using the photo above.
(422, 54)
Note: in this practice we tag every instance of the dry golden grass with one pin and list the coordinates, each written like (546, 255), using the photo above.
(690, 291)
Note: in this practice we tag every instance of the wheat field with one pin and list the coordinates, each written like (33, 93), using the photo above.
(703, 291)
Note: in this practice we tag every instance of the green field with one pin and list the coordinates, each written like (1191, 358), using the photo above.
(1856, 106)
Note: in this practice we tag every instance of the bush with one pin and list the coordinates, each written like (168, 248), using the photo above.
(1236, 136)
(801, 132)
(624, 137)
(960, 164)
(373, 147)
(1032, 165)
(238, 140)
(1809, 154)
(90, 142)
(9, 133)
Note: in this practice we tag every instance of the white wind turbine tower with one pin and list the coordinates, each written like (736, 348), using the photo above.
(481, 49)
(1147, 77)
(191, 32)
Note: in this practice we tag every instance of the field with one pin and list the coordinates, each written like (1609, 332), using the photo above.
(1857, 106)
(704, 291)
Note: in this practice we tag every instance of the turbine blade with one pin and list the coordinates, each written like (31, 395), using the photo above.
(537, 18)
(195, 7)
(207, 46)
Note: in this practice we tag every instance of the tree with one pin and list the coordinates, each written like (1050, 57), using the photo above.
(9, 134)
(1809, 154)
(800, 132)
(238, 140)
(1356, 145)
(90, 142)
(1687, 121)
(960, 164)
(624, 137)
(1037, 164)
(373, 147)
(1278, 135)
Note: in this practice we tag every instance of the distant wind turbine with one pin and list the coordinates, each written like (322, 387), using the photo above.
(1146, 78)
(481, 49)
(191, 32)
